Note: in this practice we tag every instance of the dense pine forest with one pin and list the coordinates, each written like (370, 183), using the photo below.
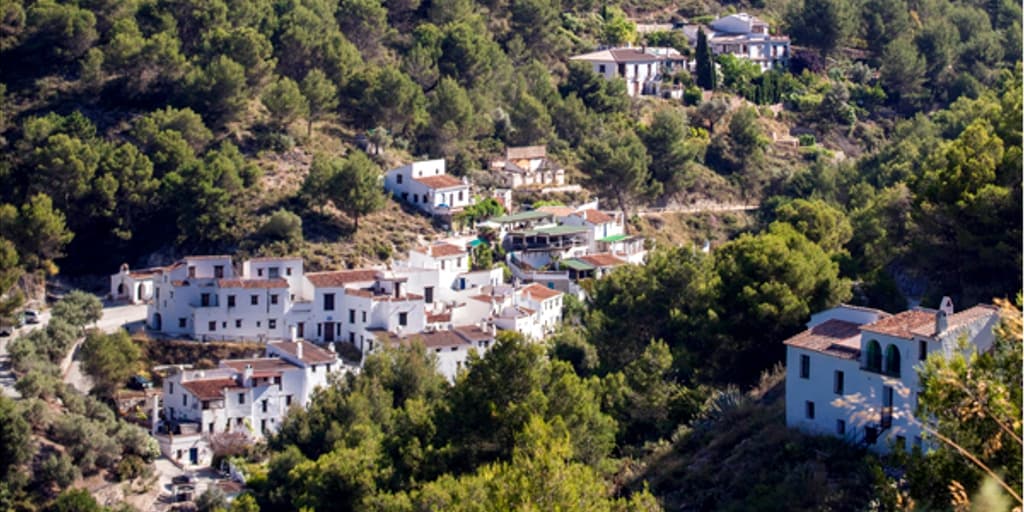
(141, 130)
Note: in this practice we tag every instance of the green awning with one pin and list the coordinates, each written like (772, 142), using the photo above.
(614, 238)
(477, 242)
(577, 265)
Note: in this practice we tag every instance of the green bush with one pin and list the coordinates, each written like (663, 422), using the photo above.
(807, 139)
(692, 95)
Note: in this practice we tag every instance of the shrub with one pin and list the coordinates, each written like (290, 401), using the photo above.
(56, 469)
(807, 139)
(692, 95)
(131, 467)
(283, 225)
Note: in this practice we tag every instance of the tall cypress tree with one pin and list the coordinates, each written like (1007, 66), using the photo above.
(706, 76)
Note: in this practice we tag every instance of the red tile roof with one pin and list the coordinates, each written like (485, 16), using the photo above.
(602, 260)
(430, 340)
(441, 250)
(837, 338)
(259, 364)
(252, 283)
(439, 317)
(474, 333)
(541, 292)
(311, 354)
(596, 216)
(339, 278)
(440, 181)
(209, 389)
(904, 325)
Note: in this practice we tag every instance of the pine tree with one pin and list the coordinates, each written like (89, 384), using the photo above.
(706, 76)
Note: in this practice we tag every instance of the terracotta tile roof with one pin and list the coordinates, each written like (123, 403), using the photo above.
(440, 181)
(602, 260)
(431, 340)
(209, 389)
(837, 338)
(557, 211)
(539, 291)
(392, 298)
(339, 278)
(311, 354)
(596, 216)
(905, 324)
(146, 272)
(252, 283)
(958, 320)
(474, 333)
(526, 152)
(441, 250)
(259, 364)
(439, 317)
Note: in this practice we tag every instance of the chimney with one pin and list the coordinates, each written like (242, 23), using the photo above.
(941, 322)
(330, 347)
(247, 376)
(293, 333)
(298, 349)
(946, 306)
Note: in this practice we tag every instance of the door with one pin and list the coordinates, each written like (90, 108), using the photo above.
(300, 330)
(193, 456)
(157, 323)
(428, 294)
(328, 331)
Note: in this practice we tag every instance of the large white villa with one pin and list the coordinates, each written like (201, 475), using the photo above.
(852, 373)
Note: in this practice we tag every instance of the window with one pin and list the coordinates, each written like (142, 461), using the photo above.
(257, 323)
(273, 299)
(352, 338)
(364, 317)
(259, 272)
(892, 360)
(403, 318)
(887, 396)
(238, 421)
(442, 264)
(805, 367)
(459, 262)
(182, 323)
(170, 388)
(873, 359)
(287, 400)
(287, 271)
(840, 427)
(263, 426)
(212, 326)
(254, 300)
(809, 409)
(211, 427)
(328, 302)
(837, 383)
(192, 271)
(231, 301)
(922, 350)
(273, 272)
(184, 399)
(351, 316)
(600, 68)
(272, 323)
(398, 179)
(277, 380)
(263, 405)
(238, 323)
(241, 399)
(218, 271)
(460, 195)
(223, 325)
(204, 300)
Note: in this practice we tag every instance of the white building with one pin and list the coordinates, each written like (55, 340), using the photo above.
(134, 286)
(528, 166)
(641, 68)
(450, 348)
(426, 186)
(745, 36)
(599, 225)
(852, 373)
(250, 396)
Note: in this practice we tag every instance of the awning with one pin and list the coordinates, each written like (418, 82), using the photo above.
(614, 238)
(577, 265)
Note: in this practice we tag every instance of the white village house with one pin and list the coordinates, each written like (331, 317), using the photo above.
(642, 68)
(427, 186)
(527, 166)
(134, 286)
(852, 373)
(745, 36)
(247, 396)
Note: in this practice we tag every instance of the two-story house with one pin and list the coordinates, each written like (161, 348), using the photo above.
(745, 36)
(852, 373)
(427, 186)
(527, 166)
(641, 68)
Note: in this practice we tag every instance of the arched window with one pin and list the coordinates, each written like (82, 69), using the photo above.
(892, 360)
(874, 356)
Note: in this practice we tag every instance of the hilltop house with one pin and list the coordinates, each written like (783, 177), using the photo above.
(852, 373)
(527, 166)
(426, 186)
(251, 396)
(745, 36)
(641, 68)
